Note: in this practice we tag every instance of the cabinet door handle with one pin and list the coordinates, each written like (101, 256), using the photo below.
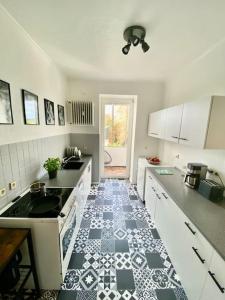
(183, 139)
(157, 195)
(189, 227)
(200, 258)
(175, 137)
(164, 195)
(216, 282)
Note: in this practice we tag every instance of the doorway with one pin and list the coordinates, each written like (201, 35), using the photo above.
(116, 135)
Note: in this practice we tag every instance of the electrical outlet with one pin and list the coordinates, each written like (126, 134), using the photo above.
(2, 192)
(12, 185)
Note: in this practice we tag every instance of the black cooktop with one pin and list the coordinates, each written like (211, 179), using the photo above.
(23, 206)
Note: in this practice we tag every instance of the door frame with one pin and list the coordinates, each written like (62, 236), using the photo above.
(118, 99)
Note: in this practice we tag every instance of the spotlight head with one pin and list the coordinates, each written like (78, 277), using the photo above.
(126, 49)
(145, 46)
(134, 40)
(135, 35)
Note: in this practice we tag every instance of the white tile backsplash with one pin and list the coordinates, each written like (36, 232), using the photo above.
(23, 162)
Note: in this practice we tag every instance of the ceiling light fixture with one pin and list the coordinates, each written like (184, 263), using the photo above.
(134, 35)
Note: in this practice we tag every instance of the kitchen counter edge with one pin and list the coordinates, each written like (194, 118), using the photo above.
(67, 178)
(191, 202)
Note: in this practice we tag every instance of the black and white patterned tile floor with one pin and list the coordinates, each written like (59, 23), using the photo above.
(118, 253)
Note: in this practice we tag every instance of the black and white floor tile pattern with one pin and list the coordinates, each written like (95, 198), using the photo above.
(118, 253)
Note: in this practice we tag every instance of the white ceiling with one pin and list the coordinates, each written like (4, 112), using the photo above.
(85, 37)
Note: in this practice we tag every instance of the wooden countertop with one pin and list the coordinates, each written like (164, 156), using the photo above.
(10, 241)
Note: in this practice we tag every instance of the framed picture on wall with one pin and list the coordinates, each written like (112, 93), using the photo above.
(6, 116)
(61, 115)
(30, 108)
(49, 112)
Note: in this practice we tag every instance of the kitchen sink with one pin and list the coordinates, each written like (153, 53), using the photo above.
(72, 165)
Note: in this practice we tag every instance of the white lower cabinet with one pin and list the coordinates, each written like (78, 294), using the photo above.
(83, 189)
(150, 194)
(142, 164)
(214, 287)
(201, 272)
(189, 257)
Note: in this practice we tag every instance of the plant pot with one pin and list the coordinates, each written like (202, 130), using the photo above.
(52, 174)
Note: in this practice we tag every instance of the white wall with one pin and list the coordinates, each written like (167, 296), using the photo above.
(25, 66)
(205, 76)
(118, 154)
(150, 98)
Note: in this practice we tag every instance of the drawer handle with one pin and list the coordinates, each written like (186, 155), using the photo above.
(216, 282)
(196, 252)
(153, 189)
(189, 227)
(164, 195)
(154, 133)
(174, 137)
(183, 139)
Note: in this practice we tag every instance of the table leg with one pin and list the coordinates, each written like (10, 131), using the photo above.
(32, 262)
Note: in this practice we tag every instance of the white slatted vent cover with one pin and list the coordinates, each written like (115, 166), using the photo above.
(80, 112)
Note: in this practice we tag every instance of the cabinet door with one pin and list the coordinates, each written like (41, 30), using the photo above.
(195, 123)
(87, 179)
(142, 164)
(162, 218)
(173, 117)
(156, 124)
(150, 196)
(215, 283)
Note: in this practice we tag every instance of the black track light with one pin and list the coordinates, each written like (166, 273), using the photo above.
(145, 46)
(134, 40)
(126, 49)
(135, 35)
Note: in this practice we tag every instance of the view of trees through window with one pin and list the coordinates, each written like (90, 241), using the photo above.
(116, 123)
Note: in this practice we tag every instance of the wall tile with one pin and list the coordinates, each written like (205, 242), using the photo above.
(23, 162)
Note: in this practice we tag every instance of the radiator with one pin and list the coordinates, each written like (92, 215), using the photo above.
(80, 112)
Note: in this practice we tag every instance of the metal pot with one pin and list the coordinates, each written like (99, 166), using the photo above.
(37, 189)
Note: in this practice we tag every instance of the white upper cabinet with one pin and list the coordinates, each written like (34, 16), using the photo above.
(156, 124)
(215, 135)
(172, 123)
(194, 123)
(198, 124)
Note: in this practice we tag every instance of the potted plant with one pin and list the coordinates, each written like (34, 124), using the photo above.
(52, 165)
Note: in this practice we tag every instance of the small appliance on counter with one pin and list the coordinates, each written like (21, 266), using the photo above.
(195, 172)
(211, 190)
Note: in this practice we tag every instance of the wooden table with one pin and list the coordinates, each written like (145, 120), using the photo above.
(11, 240)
